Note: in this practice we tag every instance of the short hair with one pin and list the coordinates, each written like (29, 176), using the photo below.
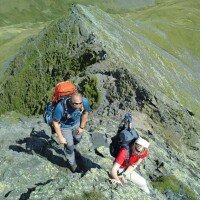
(76, 95)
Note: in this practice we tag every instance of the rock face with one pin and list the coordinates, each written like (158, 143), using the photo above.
(90, 47)
(33, 165)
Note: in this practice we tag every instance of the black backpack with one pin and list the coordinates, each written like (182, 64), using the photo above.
(124, 138)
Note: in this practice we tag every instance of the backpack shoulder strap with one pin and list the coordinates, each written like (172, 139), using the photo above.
(134, 133)
(82, 109)
(64, 105)
(128, 149)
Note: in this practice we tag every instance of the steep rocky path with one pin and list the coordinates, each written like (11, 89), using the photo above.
(33, 165)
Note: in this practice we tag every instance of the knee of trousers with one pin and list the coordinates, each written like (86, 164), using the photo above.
(69, 149)
(142, 182)
(77, 140)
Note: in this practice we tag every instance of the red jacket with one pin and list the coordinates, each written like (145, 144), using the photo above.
(124, 162)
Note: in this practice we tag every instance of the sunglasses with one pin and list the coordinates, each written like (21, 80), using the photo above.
(76, 103)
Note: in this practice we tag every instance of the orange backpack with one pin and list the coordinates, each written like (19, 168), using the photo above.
(63, 89)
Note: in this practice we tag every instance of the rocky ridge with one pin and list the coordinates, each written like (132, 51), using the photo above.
(33, 165)
(102, 69)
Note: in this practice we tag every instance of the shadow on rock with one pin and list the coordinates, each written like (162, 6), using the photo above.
(40, 143)
(85, 164)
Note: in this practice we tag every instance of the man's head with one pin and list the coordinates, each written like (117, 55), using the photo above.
(76, 100)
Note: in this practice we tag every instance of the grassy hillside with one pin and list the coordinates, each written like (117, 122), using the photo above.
(173, 28)
(20, 19)
(19, 11)
(12, 38)
(172, 25)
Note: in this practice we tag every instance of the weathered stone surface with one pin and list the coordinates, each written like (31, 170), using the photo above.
(33, 165)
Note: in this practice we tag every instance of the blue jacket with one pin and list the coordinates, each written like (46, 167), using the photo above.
(73, 116)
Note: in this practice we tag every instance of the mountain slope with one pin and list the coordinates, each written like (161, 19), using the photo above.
(174, 28)
(32, 11)
(119, 69)
(148, 60)
(22, 19)
(115, 67)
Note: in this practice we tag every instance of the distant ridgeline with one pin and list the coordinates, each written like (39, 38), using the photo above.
(46, 10)
(114, 67)
(87, 41)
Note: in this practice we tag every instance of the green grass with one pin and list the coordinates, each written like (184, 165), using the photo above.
(170, 182)
(173, 27)
(11, 118)
(12, 38)
(22, 19)
(90, 90)
(15, 11)
(40, 65)
(93, 195)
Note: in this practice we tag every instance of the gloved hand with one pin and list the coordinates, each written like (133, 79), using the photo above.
(128, 118)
